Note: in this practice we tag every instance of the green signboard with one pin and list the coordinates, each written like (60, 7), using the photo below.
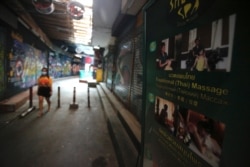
(196, 84)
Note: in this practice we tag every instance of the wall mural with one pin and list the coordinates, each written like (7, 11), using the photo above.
(77, 64)
(25, 63)
(60, 65)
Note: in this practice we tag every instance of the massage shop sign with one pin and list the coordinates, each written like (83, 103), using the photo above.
(189, 85)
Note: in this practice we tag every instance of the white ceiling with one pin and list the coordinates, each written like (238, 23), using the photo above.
(104, 15)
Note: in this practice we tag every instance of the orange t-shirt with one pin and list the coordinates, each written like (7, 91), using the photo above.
(45, 81)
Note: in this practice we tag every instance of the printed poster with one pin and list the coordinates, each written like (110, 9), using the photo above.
(190, 104)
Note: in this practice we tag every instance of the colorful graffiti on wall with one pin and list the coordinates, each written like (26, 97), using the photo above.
(77, 64)
(25, 63)
(60, 65)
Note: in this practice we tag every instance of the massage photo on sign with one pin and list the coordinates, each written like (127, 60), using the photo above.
(203, 135)
(202, 49)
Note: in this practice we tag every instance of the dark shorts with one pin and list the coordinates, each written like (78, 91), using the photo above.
(44, 91)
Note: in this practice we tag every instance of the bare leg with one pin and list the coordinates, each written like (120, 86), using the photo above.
(48, 102)
(40, 105)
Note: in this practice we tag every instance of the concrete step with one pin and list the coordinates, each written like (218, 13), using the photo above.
(127, 153)
(132, 126)
(16, 101)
